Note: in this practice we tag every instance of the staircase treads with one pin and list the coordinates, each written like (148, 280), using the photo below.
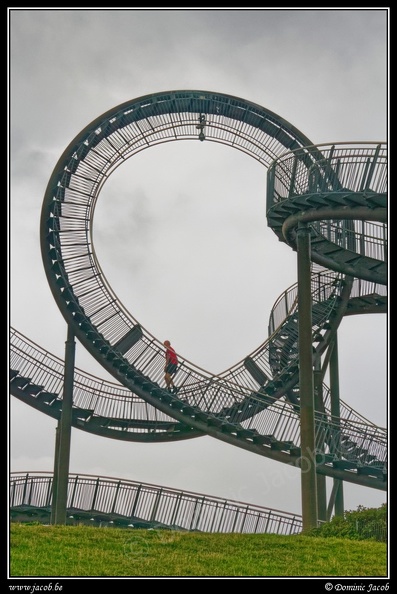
(215, 421)
(21, 381)
(81, 413)
(264, 439)
(57, 404)
(345, 464)
(33, 389)
(282, 445)
(47, 396)
(372, 471)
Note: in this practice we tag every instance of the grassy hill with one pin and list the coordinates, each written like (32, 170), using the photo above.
(85, 551)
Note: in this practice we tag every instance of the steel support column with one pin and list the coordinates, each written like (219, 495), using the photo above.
(64, 431)
(321, 483)
(306, 388)
(335, 416)
(56, 474)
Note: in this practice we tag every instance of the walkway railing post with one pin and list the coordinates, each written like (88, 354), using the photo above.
(65, 429)
(306, 382)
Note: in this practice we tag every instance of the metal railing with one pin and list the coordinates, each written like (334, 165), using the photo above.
(150, 505)
(80, 288)
(340, 167)
(90, 392)
(270, 417)
(354, 171)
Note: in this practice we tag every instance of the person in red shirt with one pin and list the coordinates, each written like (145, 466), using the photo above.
(171, 366)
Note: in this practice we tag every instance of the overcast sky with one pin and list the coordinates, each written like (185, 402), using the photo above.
(180, 230)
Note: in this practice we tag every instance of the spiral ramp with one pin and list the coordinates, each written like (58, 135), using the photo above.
(340, 191)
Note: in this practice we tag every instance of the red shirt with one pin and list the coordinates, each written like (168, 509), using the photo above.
(170, 356)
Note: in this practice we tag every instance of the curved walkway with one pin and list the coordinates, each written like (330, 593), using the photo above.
(340, 191)
(104, 501)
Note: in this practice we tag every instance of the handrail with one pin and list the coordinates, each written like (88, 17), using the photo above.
(106, 399)
(134, 504)
(339, 190)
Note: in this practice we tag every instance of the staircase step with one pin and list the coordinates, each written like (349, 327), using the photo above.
(57, 404)
(118, 423)
(47, 396)
(165, 397)
(98, 421)
(357, 199)
(82, 413)
(345, 464)
(336, 200)
(178, 404)
(264, 439)
(21, 381)
(377, 200)
(295, 451)
(282, 445)
(229, 428)
(372, 471)
(33, 389)
(241, 432)
(215, 422)
(188, 409)
(317, 201)
(156, 391)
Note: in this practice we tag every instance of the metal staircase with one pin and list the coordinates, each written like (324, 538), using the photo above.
(340, 191)
(254, 405)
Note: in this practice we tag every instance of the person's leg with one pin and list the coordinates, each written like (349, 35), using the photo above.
(174, 388)
(169, 375)
(168, 381)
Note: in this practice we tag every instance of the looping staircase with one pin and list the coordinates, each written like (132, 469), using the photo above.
(340, 191)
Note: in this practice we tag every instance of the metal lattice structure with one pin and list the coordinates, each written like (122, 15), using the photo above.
(339, 190)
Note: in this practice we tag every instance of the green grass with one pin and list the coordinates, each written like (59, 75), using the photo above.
(85, 551)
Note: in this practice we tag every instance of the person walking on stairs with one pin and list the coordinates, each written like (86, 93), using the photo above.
(171, 367)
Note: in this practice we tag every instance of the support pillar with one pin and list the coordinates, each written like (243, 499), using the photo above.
(55, 478)
(306, 389)
(320, 478)
(64, 429)
(335, 417)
